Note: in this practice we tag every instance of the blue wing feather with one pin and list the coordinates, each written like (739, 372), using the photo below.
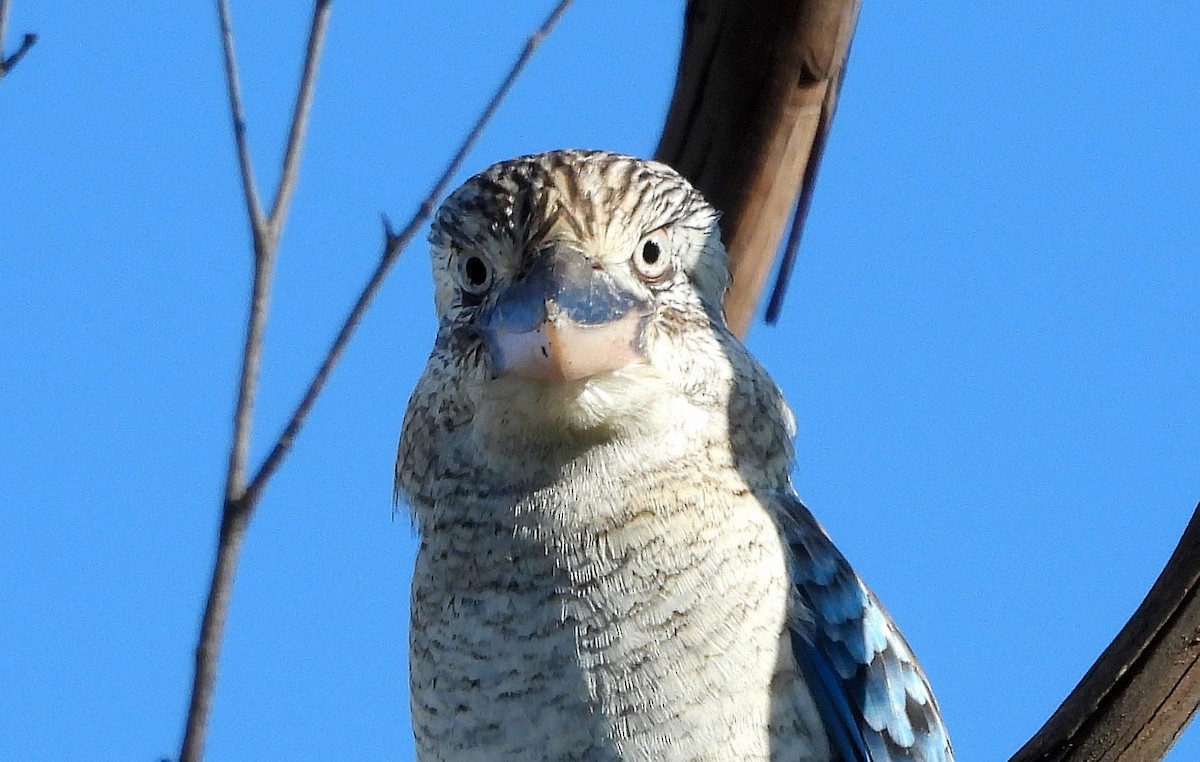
(872, 695)
(826, 687)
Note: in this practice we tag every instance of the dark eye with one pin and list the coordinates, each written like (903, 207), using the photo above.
(650, 253)
(474, 273)
(650, 259)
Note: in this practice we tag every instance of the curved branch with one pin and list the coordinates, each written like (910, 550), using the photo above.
(754, 99)
(1141, 693)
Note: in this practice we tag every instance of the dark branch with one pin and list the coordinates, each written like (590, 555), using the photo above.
(7, 63)
(1141, 693)
(753, 102)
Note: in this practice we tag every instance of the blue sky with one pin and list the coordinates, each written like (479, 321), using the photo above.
(990, 343)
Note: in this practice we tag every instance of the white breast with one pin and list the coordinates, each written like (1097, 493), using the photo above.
(649, 627)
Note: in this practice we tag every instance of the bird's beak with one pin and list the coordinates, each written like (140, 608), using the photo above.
(566, 319)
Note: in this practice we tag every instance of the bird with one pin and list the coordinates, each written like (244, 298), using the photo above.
(613, 563)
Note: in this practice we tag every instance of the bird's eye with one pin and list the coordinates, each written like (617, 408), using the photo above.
(474, 273)
(651, 260)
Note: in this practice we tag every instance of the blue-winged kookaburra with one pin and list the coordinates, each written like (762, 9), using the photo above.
(613, 563)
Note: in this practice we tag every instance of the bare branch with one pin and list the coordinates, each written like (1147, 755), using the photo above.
(236, 510)
(27, 41)
(208, 647)
(240, 502)
(1141, 693)
(291, 159)
(234, 87)
(753, 101)
(393, 245)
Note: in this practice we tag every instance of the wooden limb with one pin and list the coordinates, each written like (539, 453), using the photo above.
(754, 99)
(1141, 693)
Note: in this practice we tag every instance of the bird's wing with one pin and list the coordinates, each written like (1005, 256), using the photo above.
(873, 697)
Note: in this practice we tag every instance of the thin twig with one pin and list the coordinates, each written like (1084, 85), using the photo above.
(291, 158)
(393, 245)
(234, 86)
(27, 41)
(236, 510)
(7, 64)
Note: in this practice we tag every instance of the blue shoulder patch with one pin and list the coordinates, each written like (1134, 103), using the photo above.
(872, 694)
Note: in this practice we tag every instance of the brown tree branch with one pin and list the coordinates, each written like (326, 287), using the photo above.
(241, 499)
(753, 101)
(27, 40)
(1141, 693)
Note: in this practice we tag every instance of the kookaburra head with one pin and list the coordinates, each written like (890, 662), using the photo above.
(580, 292)
(579, 298)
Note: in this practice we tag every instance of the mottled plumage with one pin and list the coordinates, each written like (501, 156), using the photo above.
(613, 563)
